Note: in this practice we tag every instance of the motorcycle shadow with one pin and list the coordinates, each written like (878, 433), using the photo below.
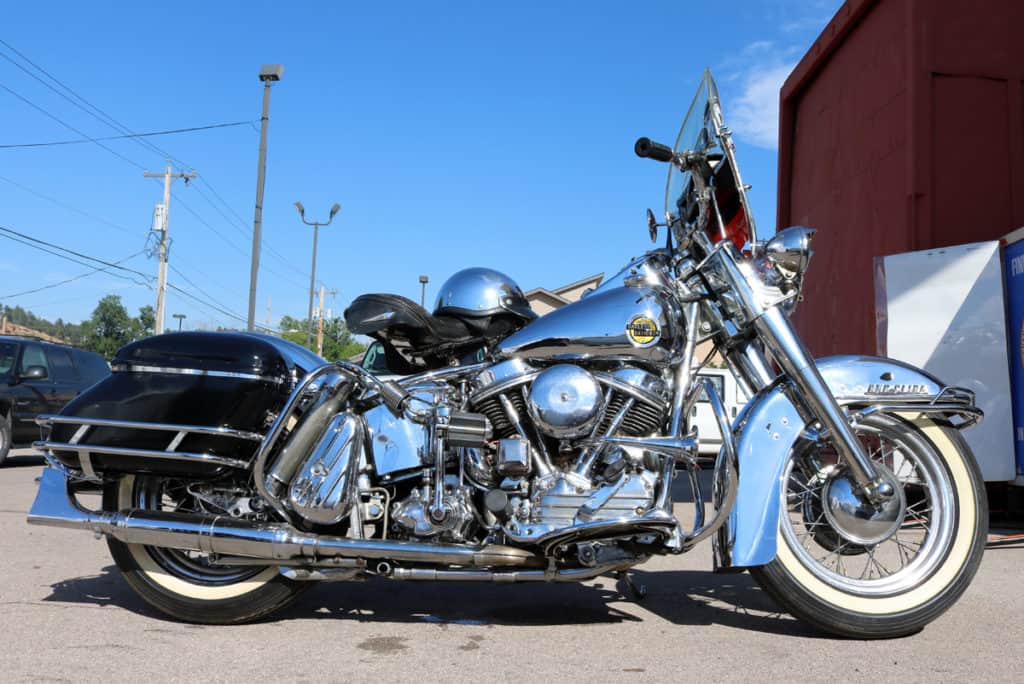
(692, 598)
(683, 597)
(105, 589)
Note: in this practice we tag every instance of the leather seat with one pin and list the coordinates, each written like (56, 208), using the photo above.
(415, 340)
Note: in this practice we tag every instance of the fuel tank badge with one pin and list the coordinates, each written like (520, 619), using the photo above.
(643, 331)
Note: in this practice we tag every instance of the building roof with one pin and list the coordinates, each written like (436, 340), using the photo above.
(592, 281)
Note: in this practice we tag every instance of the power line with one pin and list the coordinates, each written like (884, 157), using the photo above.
(193, 284)
(243, 227)
(70, 127)
(42, 245)
(88, 107)
(114, 123)
(124, 137)
(94, 271)
(110, 121)
(64, 205)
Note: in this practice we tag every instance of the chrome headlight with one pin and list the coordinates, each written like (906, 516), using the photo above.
(790, 251)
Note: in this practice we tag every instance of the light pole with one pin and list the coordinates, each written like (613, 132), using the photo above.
(312, 274)
(268, 74)
(180, 318)
(423, 290)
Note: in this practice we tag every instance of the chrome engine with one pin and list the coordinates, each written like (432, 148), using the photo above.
(556, 415)
(536, 466)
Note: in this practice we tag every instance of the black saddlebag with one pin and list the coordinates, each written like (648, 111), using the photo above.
(184, 403)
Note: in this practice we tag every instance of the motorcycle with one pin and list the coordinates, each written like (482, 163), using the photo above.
(237, 469)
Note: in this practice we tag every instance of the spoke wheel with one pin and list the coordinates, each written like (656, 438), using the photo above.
(893, 575)
(187, 585)
(913, 549)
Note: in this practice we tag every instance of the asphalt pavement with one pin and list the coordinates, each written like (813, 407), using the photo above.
(67, 616)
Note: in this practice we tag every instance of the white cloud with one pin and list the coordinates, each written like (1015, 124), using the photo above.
(754, 114)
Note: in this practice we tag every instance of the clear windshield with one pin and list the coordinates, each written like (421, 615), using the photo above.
(703, 133)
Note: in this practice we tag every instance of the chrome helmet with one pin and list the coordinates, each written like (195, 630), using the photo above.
(475, 292)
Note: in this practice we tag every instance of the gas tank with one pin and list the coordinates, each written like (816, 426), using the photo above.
(632, 323)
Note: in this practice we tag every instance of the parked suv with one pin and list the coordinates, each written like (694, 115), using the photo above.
(39, 377)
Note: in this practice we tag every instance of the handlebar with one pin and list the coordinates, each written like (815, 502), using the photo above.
(645, 147)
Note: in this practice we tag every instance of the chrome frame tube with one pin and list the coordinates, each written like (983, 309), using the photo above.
(726, 465)
(681, 377)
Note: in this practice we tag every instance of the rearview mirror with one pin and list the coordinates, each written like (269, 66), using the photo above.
(34, 373)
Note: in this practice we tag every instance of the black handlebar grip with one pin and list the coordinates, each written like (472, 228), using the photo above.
(645, 147)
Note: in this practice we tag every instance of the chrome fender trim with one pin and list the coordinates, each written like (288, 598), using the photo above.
(770, 425)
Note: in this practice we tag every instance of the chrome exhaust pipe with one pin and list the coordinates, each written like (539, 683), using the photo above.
(56, 506)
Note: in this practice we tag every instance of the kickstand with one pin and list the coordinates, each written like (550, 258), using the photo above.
(630, 589)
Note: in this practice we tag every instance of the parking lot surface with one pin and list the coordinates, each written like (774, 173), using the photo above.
(66, 615)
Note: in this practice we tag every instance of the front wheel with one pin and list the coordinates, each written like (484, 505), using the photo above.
(183, 584)
(876, 573)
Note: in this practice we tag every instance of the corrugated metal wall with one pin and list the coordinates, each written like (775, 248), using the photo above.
(901, 129)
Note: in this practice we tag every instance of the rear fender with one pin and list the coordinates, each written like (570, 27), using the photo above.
(771, 424)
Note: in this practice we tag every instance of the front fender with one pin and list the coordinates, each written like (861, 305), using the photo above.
(768, 428)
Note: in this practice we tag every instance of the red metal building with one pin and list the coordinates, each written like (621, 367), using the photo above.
(901, 129)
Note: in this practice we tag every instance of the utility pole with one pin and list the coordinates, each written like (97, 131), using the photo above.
(161, 279)
(268, 74)
(312, 273)
(268, 314)
(320, 324)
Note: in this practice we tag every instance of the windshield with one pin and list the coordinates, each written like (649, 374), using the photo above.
(703, 133)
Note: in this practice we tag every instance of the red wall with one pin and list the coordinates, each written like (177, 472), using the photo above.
(901, 129)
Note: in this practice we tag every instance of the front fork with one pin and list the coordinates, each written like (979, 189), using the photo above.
(782, 343)
(776, 332)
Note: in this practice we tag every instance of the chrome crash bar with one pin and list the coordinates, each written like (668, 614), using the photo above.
(169, 453)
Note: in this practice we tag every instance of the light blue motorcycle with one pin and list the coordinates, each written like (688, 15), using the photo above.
(237, 469)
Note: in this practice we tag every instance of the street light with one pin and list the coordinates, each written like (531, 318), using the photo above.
(180, 317)
(312, 274)
(269, 73)
(423, 290)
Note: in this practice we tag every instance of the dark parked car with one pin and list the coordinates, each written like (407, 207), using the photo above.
(39, 377)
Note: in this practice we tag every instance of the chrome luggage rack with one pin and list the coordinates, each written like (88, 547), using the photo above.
(169, 453)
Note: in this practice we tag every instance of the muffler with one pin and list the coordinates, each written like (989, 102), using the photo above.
(56, 506)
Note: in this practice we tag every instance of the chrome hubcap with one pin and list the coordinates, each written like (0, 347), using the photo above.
(857, 519)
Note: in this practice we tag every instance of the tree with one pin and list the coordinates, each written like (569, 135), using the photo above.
(109, 328)
(145, 324)
(338, 341)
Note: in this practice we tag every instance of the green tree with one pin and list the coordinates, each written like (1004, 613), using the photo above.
(338, 341)
(145, 324)
(109, 328)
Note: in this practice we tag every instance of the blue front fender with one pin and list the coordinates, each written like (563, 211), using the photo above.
(768, 428)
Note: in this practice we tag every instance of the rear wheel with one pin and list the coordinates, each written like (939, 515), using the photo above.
(865, 573)
(186, 585)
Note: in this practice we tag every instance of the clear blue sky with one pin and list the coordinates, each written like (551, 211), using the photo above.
(452, 134)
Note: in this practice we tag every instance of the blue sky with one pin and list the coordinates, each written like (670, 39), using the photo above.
(453, 135)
